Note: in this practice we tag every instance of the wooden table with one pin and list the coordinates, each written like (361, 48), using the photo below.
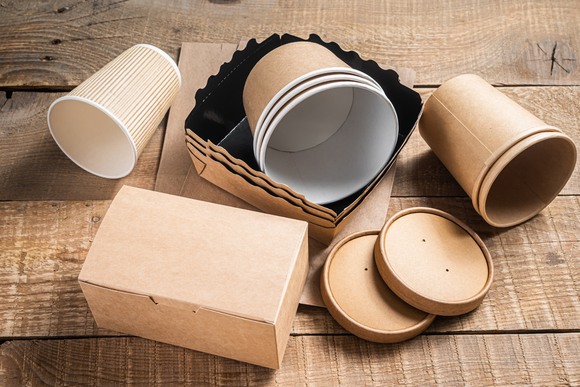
(526, 332)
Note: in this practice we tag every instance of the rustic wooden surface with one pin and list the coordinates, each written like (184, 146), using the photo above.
(526, 332)
(44, 245)
(58, 44)
(454, 360)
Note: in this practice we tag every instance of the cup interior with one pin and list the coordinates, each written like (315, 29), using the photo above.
(92, 137)
(527, 178)
(331, 141)
(297, 87)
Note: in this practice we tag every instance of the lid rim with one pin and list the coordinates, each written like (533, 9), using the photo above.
(504, 160)
(417, 299)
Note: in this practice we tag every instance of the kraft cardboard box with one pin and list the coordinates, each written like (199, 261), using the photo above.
(212, 278)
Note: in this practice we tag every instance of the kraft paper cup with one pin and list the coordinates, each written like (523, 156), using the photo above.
(510, 163)
(364, 130)
(104, 124)
(279, 69)
(270, 112)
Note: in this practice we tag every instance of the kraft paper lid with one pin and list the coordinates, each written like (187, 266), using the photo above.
(358, 298)
(434, 261)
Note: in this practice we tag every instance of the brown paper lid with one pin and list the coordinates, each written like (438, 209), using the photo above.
(358, 298)
(434, 261)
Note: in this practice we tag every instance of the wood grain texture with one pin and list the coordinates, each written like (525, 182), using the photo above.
(536, 288)
(454, 360)
(59, 44)
(33, 167)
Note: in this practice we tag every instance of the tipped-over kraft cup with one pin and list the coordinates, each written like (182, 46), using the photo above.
(285, 65)
(104, 124)
(510, 163)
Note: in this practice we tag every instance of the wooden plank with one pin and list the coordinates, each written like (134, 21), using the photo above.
(33, 167)
(58, 44)
(43, 246)
(509, 359)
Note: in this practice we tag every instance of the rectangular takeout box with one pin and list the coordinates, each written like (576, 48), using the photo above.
(219, 138)
(198, 275)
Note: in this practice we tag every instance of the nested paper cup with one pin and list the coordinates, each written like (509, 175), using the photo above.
(364, 130)
(294, 87)
(510, 163)
(104, 124)
(322, 133)
(281, 68)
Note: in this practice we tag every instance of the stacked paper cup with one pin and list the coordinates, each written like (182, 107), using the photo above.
(320, 127)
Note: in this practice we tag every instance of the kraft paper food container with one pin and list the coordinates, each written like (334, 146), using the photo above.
(243, 169)
(278, 102)
(104, 124)
(321, 162)
(434, 261)
(220, 121)
(358, 298)
(148, 274)
(297, 207)
(509, 162)
(319, 228)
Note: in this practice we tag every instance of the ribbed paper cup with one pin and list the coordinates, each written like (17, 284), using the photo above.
(509, 162)
(104, 124)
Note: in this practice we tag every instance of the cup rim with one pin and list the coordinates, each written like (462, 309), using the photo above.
(297, 90)
(111, 116)
(305, 95)
(502, 163)
(289, 86)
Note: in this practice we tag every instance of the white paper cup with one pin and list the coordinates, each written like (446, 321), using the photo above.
(364, 130)
(271, 111)
(104, 124)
